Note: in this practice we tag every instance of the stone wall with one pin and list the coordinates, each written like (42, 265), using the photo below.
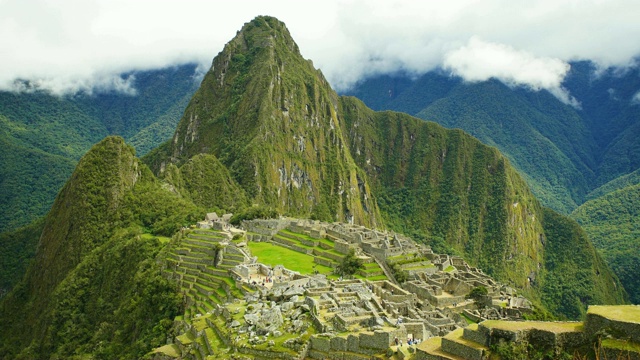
(342, 247)
(417, 330)
(595, 323)
(324, 262)
(266, 354)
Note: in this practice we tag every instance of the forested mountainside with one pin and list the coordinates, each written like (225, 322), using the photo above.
(266, 131)
(93, 279)
(612, 221)
(563, 152)
(43, 136)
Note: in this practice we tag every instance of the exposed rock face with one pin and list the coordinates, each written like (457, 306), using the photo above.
(269, 320)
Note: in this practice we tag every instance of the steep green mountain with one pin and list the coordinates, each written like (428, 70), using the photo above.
(563, 153)
(445, 187)
(43, 136)
(293, 145)
(93, 270)
(612, 221)
(207, 183)
(272, 120)
(500, 117)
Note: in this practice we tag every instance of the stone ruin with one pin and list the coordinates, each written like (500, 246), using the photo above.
(358, 316)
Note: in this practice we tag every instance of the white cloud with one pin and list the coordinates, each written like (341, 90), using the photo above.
(635, 100)
(70, 44)
(479, 61)
(72, 85)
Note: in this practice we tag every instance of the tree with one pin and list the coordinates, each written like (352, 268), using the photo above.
(398, 273)
(476, 294)
(350, 264)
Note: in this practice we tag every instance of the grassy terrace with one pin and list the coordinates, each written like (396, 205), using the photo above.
(170, 350)
(623, 313)
(273, 255)
(162, 239)
(621, 345)
(556, 327)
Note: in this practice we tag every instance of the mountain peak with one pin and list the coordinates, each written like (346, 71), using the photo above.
(264, 32)
(272, 120)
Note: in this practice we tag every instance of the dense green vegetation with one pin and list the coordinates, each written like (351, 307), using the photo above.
(448, 188)
(616, 184)
(115, 303)
(95, 259)
(562, 152)
(350, 264)
(18, 248)
(476, 294)
(574, 270)
(29, 181)
(43, 136)
(613, 224)
(206, 182)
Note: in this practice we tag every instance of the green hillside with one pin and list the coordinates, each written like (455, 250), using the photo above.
(18, 248)
(44, 136)
(445, 187)
(540, 142)
(616, 184)
(612, 221)
(563, 152)
(93, 271)
(567, 156)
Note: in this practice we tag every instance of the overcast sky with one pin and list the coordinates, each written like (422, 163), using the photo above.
(66, 46)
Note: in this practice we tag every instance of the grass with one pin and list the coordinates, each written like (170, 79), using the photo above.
(467, 319)
(621, 345)
(449, 268)
(556, 327)
(170, 350)
(377, 278)
(624, 313)
(298, 235)
(419, 267)
(162, 239)
(273, 255)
